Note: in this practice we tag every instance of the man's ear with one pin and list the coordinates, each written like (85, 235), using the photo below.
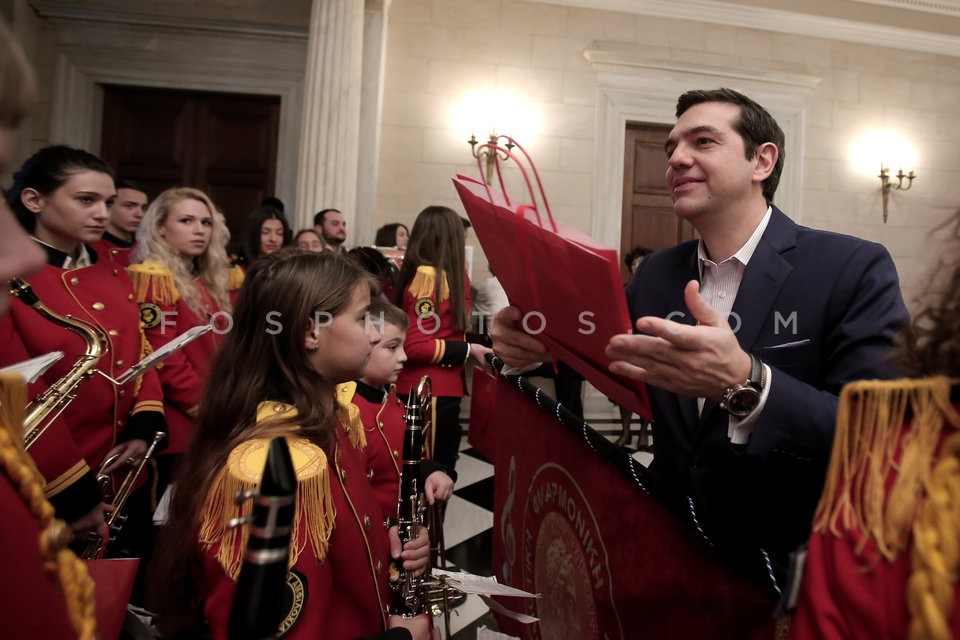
(32, 199)
(765, 159)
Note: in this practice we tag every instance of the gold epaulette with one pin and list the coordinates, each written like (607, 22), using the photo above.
(314, 504)
(350, 414)
(153, 282)
(885, 428)
(235, 276)
(424, 283)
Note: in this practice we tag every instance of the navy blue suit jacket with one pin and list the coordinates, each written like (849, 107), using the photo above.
(821, 309)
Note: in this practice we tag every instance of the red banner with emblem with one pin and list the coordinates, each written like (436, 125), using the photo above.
(607, 559)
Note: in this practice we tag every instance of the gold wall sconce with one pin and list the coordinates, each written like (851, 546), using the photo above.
(886, 184)
(487, 153)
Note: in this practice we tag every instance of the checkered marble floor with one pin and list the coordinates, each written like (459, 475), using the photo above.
(468, 527)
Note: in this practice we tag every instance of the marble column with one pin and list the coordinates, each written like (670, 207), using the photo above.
(330, 140)
(371, 108)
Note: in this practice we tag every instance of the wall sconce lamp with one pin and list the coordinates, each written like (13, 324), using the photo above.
(488, 154)
(886, 184)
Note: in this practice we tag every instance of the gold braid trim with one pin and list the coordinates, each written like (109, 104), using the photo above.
(243, 471)
(350, 415)
(424, 283)
(924, 495)
(145, 349)
(69, 572)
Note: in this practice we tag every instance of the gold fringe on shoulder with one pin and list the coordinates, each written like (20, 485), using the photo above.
(424, 283)
(235, 276)
(349, 414)
(314, 505)
(153, 282)
(924, 487)
(59, 562)
(870, 432)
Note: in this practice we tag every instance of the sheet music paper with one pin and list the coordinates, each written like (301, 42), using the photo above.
(163, 353)
(34, 367)
(470, 583)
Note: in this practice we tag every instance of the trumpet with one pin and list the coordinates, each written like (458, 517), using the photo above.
(417, 594)
(118, 499)
(48, 405)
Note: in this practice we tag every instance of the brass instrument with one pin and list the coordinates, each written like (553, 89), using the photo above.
(119, 499)
(418, 594)
(48, 405)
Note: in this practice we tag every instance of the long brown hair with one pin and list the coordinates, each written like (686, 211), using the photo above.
(263, 358)
(437, 240)
(931, 346)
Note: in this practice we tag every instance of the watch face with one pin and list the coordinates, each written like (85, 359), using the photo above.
(742, 401)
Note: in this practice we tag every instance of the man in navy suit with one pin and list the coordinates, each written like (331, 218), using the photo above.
(745, 336)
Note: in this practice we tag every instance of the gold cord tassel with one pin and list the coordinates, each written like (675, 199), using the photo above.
(876, 447)
(60, 563)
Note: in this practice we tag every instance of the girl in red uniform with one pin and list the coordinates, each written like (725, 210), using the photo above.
(300, 328)
(61, 197)
(180, 275)
(436, 297)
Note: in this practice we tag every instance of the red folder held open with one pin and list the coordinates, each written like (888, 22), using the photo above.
(566, 284)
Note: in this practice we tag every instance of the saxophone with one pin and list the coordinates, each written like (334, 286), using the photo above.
(47, 406)
(417, 594)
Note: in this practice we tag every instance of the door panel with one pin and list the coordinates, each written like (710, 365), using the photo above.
(223, 144)
(647, 218)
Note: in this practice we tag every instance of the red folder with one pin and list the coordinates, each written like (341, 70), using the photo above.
(566, 284)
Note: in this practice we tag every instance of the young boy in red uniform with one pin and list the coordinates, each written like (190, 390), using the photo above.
(381, 414)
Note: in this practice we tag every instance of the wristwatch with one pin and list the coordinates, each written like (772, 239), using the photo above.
(740, 399)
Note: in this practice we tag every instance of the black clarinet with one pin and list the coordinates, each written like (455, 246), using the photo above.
(258, 602)
(409, 502)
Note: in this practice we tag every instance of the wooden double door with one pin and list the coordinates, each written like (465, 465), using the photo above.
(224, 144)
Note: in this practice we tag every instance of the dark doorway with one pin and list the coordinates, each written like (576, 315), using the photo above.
(648, 219)
(222, 143)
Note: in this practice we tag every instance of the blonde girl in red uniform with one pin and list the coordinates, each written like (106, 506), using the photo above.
(181, 276)
(61, 197)
(436, 297)
(300, 328)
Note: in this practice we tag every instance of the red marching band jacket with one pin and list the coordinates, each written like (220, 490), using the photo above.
(433, 346)
(165, 316)
(103, 413)
(340, 551)
(115, 248)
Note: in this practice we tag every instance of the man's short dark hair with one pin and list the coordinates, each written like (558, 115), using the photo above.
(633, 254)
(755, 125)
(273, 202)
(123, 183)
(318, 219)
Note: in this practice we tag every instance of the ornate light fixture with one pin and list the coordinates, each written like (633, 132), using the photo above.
(886, 184)
(487, 153)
